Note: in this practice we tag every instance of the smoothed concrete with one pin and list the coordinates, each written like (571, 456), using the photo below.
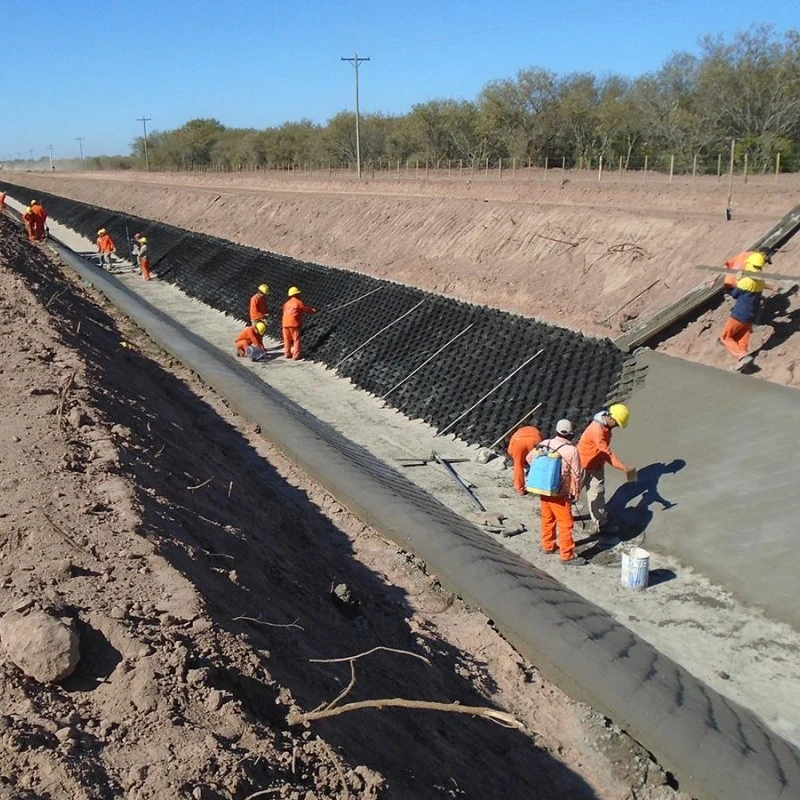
(736, 499)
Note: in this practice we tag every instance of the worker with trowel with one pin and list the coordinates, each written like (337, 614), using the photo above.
(558, 485)
(521, 444)
(595, 450)
(294, 309)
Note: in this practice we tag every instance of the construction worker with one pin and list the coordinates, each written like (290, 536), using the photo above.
(522, 442)
(294, 309)
(259, 309)
(3, 201)
(31, 220)
(557, 509)
(106, 247)
(251, 343)
(595, 452)
(738, 264)
(748, 295)
(142, 256)
(40, 220)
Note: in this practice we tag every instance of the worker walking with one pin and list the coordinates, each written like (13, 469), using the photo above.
(259, 308)
(106, 247)
(748, 295)
(294, 309)
(559, 457)
(40, 220)
(595, 452)
(142, 255)
(521, 444)
(251, 343)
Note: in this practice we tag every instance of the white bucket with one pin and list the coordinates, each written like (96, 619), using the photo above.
(635, 568)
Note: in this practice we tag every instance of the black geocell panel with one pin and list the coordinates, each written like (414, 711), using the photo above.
(574, 376)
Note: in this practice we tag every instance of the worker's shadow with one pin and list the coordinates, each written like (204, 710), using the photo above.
(777, 314)
(631, 505)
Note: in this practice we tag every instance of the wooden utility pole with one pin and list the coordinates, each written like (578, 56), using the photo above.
(355, 61)
(144, 121)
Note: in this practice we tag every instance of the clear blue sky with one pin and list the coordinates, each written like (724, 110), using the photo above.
(91, 68)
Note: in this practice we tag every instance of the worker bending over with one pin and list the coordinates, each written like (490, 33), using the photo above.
(748, 294)
(259, 308)
(40, 220)
(595, 452)
(294, 309)
(105, 247)
(521, 444)
(251, 343)
(29, 217)
(557, 507)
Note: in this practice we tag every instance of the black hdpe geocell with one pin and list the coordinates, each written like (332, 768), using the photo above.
(717, 749)
(573, 377)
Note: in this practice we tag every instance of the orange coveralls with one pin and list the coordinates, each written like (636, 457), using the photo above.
(522, 442)
(294, 309)
(595, 451)
(105, 246)
(557, 511)
(736, 264)
(259, 308)
(247, 337)
(144, 261)
(2, 201)
(40, 221)
(30, 218)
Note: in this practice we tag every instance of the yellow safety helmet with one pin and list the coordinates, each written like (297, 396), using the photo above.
(293, 290)
(261, 327)
(755, 262)
(620, 413)
(142, 240)
(264, 289)
(101, 231)
(34, 202)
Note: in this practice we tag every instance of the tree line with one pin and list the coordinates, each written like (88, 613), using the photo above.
(688, 111)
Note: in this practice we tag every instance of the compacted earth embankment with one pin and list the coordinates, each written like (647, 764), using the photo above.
(199, 574)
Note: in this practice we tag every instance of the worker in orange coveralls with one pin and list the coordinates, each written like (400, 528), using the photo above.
(557, 510)
(522, 442)
(2, 202)
(40, 220)
(106, 247)
(738, 264)
(251, 343)
(31, 220)
(142, 255)
(595, 451)
(259, 309)
(294, 309)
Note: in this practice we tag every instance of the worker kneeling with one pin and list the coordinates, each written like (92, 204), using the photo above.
(556, 475)
(251, 343)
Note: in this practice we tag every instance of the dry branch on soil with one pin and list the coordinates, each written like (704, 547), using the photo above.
(65, 390)
(333, 709)
(268, 624)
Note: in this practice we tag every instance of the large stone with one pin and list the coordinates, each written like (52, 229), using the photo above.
(42, 646)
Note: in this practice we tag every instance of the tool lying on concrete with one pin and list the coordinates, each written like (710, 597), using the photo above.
(447, 463)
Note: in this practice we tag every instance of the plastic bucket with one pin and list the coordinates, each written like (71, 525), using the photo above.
(635, 568)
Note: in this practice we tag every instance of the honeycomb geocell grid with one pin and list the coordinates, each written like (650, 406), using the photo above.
(573, 376)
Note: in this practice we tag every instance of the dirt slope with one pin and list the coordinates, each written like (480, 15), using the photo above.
(136, 505)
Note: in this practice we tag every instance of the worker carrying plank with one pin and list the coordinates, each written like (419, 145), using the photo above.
(521, 444)
(556, 476)
(294, 309)
(595, 450)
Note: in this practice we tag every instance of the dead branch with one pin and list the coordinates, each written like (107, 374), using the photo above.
(627, 247)
(64, 394)
(559, 241)
(67, 538)
(368, 653)
(200, 485)
(54, 297)
(500, 717)
(339, 770)
(264, 792)
(270, 624)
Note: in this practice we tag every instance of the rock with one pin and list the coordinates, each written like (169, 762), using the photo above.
(43, 647)
(65, 734)
(484, 455)
(215, 700)
(144, 689)
(195, 676)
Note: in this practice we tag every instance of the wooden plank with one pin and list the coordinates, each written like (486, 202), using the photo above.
(640, 334)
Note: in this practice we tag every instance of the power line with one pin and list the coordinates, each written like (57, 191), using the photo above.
(355, 61)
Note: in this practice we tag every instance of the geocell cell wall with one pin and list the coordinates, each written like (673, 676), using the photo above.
(574, 375)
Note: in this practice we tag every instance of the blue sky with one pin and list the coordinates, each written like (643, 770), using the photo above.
(90, 68)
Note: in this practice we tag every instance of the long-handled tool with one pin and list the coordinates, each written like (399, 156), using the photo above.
(447, 464)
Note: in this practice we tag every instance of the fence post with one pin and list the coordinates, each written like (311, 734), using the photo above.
(719, 167)
(500, 170)
(644, 176)
(486, 173)
(513, 168)
(448, 167)
(777, 166)
(671, 167)
(694, 167)
(426, 169)
(460, 166)
(729, 210)
(580, 163)
(600, 169)
(563, 165)
(546, 162)
(619, 178)
(745, 167)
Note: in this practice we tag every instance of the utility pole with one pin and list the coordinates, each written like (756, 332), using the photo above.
(144, 121)
(355, 62)
(50, 153)
(31, 152)
(79, 140)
